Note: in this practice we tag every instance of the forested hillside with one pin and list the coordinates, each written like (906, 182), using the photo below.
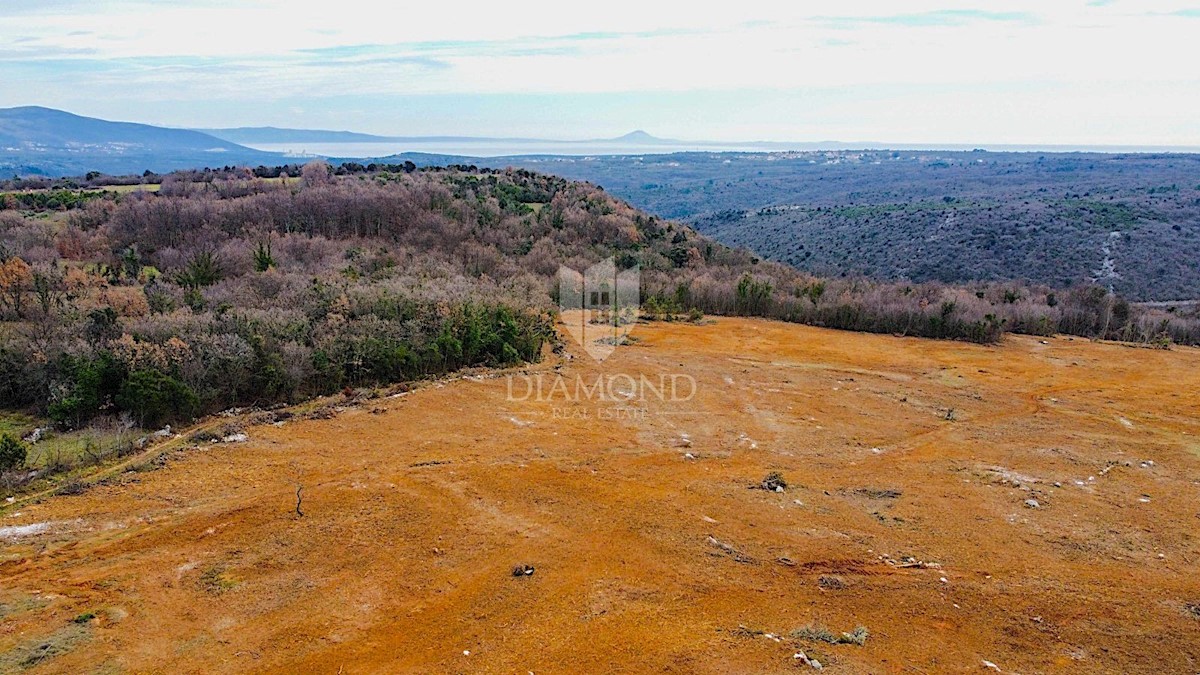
(223, 288)
(1129, 222)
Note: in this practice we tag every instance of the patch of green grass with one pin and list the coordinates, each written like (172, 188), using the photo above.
(18, 603)
(215, 581)
(126, 189)
(16, 424)
(73, 447)
(818, 633)
(33, 653)
(1107, 215)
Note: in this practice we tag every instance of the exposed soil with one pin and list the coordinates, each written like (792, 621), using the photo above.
(645, 539)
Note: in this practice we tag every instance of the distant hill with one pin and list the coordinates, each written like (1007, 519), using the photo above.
(276, 135)
(251, 135)
(34, 126)
(640, 137)
(53, 142)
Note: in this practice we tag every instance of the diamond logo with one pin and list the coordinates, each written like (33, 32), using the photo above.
(599, 306)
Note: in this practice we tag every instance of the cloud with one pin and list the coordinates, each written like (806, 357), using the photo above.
(188, 56)
(941, 17)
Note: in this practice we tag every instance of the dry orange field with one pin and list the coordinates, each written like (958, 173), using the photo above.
(909, 464)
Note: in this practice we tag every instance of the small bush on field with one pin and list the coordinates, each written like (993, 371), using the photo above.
(12, 453)
(818, 633)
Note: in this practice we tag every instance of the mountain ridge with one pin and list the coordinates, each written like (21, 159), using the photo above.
(39, 140)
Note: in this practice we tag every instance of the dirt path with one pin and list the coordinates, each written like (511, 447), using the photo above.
(649, 550)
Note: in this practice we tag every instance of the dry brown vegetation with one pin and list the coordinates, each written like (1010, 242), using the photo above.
(227, 288)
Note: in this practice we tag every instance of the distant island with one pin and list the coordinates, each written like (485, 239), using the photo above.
(275, 135)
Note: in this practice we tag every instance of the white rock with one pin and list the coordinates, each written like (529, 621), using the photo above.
(18, 531)
(1032, 503)
(235, 438)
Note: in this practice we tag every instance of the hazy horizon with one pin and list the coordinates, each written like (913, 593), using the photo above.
(1069, 73)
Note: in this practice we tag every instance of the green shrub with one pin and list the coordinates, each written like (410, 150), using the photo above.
(86, 387)
(12, 453)
(202, 270)
(155, 398)
(263, 260)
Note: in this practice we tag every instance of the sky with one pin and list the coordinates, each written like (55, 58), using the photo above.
(1073, 72)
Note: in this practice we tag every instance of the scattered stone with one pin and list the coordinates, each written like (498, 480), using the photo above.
(264, 417)
(731, 551)
(688, 455)
(992, 666)
(523, 571)
(802, 658)
(1032, 503)
(164, 432)
(35, 435)
(876, 493)
(1057, 484)
(831, 582)
(774, 482)
(204, 436)
(235, 438)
